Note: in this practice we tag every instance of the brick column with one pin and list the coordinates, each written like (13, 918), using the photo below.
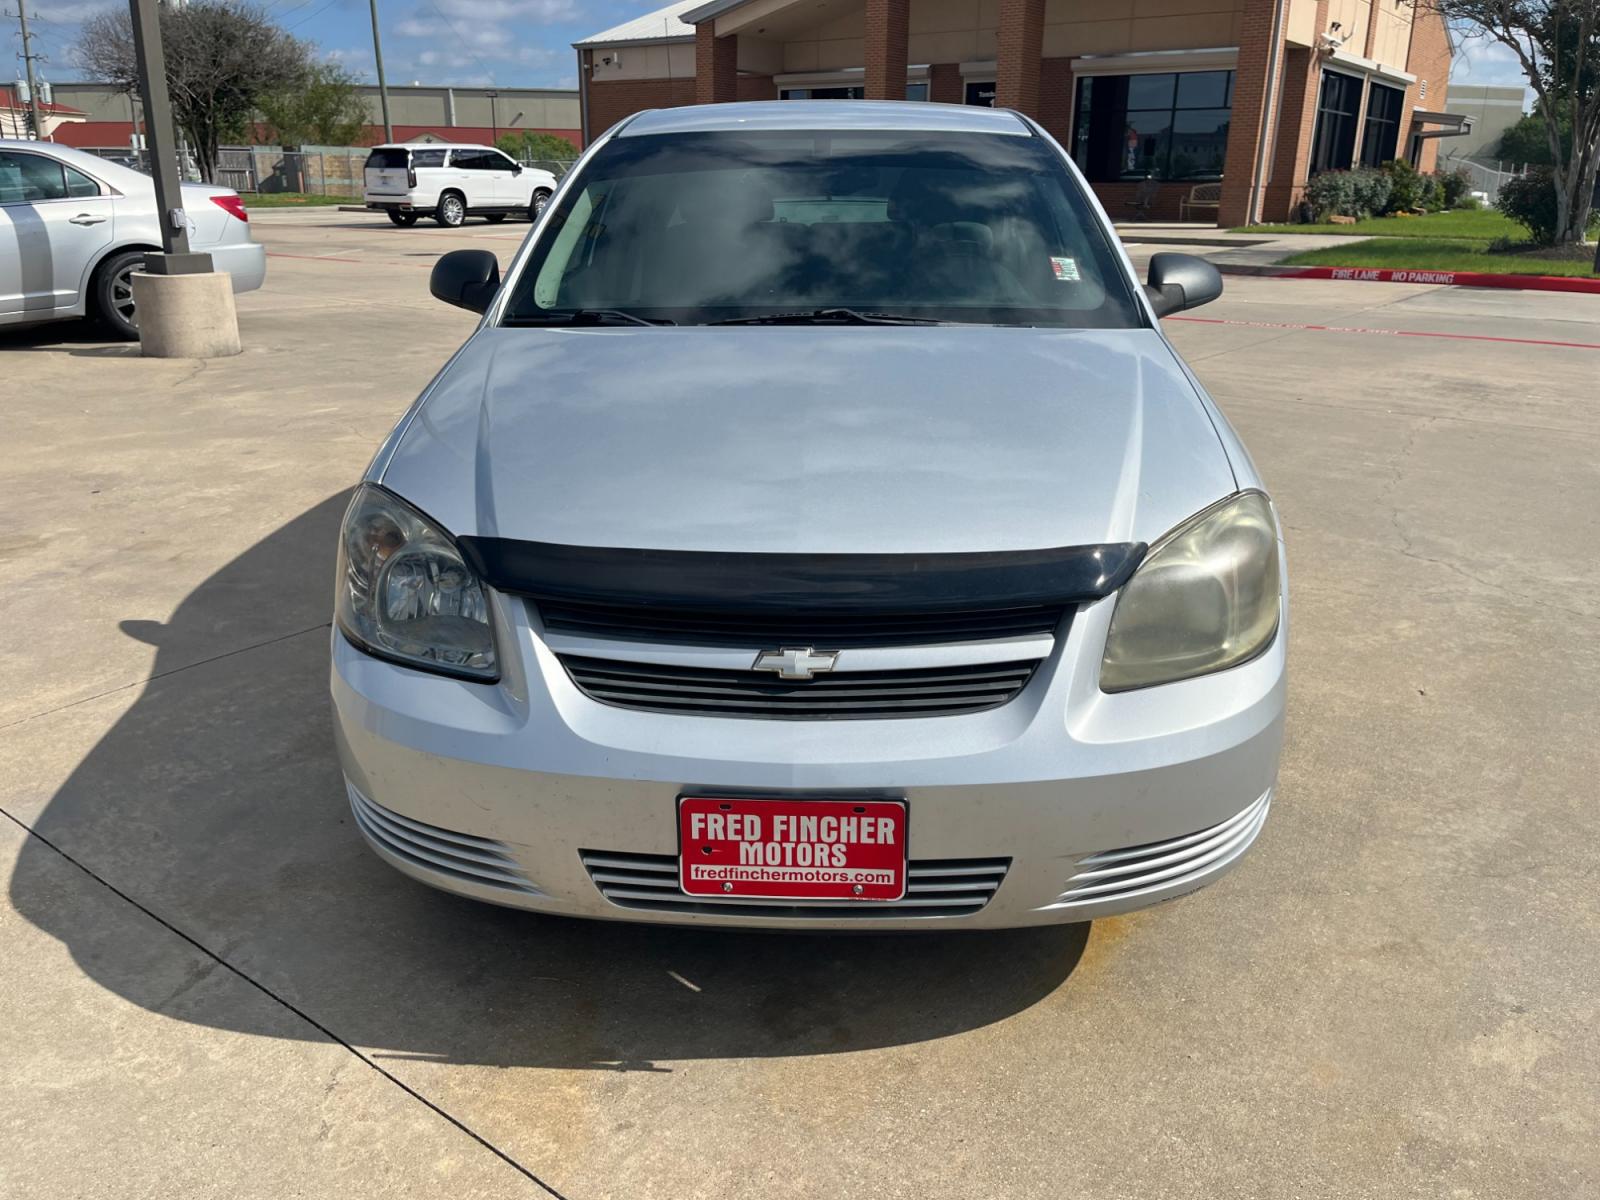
(1297, 117)
(1249, 104)
(716, 66)
(888, 26)
(1021, 42)
(945, 85)
(1055, 99)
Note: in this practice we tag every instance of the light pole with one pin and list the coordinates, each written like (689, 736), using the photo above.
(383, 85)
(184, 309)
(176, 257)
(494, 119)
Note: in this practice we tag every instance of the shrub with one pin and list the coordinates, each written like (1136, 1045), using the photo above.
(1453, 185)
(1432, 197)
(1468, 203)
(1360, 193)
(1530, 200)
(1405, 186)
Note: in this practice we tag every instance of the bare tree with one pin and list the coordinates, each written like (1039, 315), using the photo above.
(222, 58)
(1557, 43)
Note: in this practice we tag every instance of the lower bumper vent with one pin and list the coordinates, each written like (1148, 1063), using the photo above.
(463, 856)
(1123, 874)
(934, 888)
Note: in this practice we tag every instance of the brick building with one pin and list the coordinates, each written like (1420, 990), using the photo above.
(1255, 94)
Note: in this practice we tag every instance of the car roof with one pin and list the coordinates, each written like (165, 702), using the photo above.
(433, 146)
(827, 114)
(111, 172)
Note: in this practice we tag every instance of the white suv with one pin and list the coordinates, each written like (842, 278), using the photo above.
(451, 183)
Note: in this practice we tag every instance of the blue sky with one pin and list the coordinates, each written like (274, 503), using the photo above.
(507, 42)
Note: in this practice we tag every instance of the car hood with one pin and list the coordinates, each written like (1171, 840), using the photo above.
(812, 439)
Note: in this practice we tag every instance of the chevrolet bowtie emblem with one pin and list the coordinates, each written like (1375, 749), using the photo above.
(796, 662)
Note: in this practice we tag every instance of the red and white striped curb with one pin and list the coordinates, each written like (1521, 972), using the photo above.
(1527, 283)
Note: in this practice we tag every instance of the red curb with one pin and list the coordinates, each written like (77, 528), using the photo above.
(1525, 283)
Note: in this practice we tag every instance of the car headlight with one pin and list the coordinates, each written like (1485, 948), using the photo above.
(1204, 599)
(405, 593)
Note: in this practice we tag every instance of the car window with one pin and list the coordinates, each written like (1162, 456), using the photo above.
(473, 160)
(427, 158)
(25, 178)
(79, 184)
(388, 159)
(501, 163)
(977, 228)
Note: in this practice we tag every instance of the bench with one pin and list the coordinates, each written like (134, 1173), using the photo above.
(1202, 195)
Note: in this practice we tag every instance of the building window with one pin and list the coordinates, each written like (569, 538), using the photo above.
(980, 93)
(1333, 144)
(914, 91)
(1166, 126)
(1381, 134)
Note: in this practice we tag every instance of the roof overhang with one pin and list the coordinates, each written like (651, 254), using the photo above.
(1450, 124)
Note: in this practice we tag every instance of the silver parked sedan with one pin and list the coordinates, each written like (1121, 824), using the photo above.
(74, 228)
(817, 532)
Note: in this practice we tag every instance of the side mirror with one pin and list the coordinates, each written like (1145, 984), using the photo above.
(516, 168)
(466, 278)
(1180, 281)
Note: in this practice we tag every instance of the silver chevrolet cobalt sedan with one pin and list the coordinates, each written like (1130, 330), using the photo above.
(817, 532)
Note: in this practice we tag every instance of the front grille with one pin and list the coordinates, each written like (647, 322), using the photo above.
(934, 888)
(851, 695)
(1124, 874)
(464, 856)
(835, 631)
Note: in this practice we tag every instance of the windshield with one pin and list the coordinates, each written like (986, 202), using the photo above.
(697, 228)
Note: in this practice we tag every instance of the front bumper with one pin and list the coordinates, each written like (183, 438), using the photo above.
(501, 791)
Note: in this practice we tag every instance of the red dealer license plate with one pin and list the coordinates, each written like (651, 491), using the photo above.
(792, 849)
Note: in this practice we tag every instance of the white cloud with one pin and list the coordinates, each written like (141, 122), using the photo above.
(1479, 60)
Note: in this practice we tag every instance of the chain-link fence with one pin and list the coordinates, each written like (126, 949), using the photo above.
(1486, 179)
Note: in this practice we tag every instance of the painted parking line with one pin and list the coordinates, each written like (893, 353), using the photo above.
(1412, 333)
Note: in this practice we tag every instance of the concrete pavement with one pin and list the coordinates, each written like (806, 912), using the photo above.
(210, 987)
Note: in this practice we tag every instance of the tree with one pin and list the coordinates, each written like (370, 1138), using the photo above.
(525, 145)
(323, 108)
(1557, 44)
(222, 59)
(1527, 143)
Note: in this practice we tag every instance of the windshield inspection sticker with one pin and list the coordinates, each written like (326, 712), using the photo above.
(1066, 269)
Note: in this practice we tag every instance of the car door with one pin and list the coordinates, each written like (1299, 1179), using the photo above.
(508, 189)
(466, 177)
(54, 221)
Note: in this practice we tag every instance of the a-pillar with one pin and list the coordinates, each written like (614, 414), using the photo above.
(716, 65)
(888, 27)
(1021, 42)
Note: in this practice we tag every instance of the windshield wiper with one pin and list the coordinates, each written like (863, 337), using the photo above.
(829, 316)
(585, 316)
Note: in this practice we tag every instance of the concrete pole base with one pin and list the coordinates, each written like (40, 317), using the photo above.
(185, 316)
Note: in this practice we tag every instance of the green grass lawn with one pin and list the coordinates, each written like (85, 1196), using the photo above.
(1437, 254)
(1481, 225)
(292, 200)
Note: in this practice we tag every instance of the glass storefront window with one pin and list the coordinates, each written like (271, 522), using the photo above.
(1333, 143)
(1169, 125)
(1381, 135)
(914, 91)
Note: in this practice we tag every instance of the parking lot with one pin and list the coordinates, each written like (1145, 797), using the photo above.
(211, 988)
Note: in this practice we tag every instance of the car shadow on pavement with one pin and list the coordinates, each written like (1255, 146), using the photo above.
(81, 339)
(215, 803)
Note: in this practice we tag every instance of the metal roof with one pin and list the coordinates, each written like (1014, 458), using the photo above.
(662, 25)
(827, 114)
